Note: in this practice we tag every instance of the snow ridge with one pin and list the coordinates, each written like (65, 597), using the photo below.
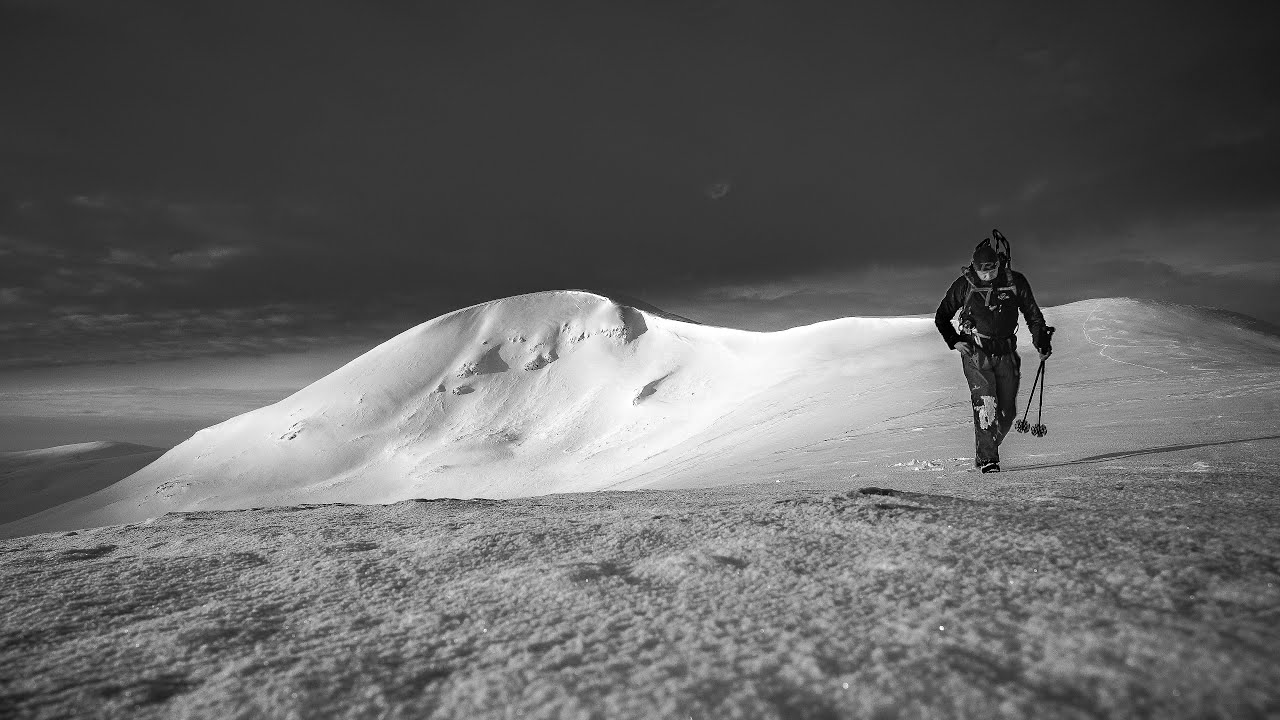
(548, 392)
(570, 391)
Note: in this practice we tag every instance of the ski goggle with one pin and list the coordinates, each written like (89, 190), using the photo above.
(986, 267)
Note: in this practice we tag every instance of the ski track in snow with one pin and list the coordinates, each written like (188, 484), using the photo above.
(1103, 352)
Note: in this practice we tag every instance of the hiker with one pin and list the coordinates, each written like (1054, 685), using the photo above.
(989, 295)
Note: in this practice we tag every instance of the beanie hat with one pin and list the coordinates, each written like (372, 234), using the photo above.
(984, 253)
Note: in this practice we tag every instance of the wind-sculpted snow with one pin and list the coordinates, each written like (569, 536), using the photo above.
(571, 391)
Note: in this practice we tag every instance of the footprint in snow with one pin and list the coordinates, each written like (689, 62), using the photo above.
(92, 553)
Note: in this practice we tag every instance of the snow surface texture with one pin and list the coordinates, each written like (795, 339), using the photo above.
(1139, 587)
(571, 391)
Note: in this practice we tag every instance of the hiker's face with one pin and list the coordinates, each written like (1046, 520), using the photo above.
(986, 271)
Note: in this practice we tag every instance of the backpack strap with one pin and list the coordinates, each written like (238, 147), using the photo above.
(985, 292)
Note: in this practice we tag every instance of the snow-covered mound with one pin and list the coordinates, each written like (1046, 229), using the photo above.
(549, 392)
(32, 480)
(571, 391)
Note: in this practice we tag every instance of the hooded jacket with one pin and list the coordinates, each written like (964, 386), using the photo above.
(995, 315)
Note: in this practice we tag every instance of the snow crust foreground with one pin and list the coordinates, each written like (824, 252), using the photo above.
(1137, 587)
(571, 391)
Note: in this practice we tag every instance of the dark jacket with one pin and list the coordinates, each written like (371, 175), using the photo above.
(996, 317)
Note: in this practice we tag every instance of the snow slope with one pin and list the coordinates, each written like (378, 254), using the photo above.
(33, 480)
(571, 391)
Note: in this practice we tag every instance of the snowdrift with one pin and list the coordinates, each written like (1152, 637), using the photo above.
(571, 391)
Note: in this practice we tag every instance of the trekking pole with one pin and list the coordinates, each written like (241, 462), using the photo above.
(1022, 425)
(1039, 429)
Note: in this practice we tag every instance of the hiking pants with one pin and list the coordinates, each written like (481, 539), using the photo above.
(993, 386)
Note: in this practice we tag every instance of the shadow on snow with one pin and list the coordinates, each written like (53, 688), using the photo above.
(1146, 451)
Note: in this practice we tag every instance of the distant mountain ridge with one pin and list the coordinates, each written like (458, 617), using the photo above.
(34, 480)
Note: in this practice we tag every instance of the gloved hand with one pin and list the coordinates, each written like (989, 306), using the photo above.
(1047, 349)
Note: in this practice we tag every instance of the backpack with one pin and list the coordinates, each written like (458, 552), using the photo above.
(1001, 247)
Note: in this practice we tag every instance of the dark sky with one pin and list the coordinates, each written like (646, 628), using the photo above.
(190, 178)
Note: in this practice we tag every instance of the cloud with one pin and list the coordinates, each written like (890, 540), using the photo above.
(138, 401)
(451, 157)
(759, 292)
(874, 290)
(1266, 271)
(92, 202)
(717, 190)
(79, 335)
(12, 245)
(121, 256)
(206, 258)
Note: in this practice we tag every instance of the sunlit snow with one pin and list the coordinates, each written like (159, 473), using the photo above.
(571, 392)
